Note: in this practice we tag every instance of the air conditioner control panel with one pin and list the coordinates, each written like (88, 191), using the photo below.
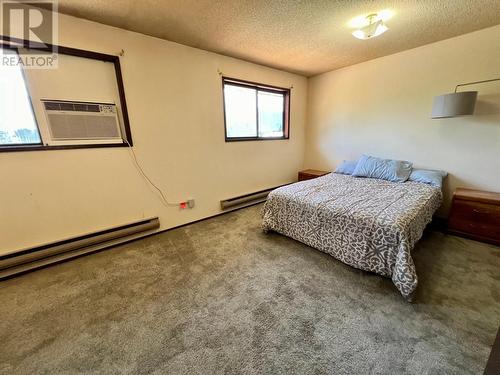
(105, 108)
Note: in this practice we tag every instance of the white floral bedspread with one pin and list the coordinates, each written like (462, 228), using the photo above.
(367, 223)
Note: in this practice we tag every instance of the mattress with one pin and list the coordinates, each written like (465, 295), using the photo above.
(367, 223)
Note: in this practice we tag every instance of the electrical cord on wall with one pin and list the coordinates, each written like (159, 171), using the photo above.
(162, 197)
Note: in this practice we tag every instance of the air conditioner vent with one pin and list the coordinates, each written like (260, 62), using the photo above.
(72, 107)
(70, 121)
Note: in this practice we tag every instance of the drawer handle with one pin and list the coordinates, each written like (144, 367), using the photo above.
(478, 211)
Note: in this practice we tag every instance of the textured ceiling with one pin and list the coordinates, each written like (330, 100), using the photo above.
(305, 37)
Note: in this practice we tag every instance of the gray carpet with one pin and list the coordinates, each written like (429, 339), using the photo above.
(220, 296)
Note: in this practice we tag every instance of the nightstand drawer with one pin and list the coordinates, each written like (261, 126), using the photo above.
(475, 211)
(477, 220)
(483, 230)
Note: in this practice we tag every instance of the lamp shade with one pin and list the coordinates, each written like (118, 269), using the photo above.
(455, 104)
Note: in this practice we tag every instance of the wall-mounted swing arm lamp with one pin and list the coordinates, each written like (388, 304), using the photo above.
(457, 103)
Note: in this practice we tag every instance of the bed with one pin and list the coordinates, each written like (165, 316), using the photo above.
(367, 223)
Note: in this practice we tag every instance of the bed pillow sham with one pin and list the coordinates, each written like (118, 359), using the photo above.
(384, 169)
(347, 167)
(428, 176)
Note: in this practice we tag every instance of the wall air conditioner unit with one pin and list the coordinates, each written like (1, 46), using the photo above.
(71, 122)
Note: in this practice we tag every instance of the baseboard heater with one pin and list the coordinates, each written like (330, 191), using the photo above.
(247, 199)
(28, 259)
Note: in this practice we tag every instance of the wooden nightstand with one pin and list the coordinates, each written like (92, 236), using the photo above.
(475, 214)
(311, 173)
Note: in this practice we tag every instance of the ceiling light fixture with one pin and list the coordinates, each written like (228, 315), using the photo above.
(374, 26)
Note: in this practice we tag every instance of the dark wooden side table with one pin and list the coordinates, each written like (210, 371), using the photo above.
(475, 214)
(310, 174)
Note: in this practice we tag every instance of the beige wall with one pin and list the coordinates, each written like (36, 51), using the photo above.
(382, 107)
(174, 98)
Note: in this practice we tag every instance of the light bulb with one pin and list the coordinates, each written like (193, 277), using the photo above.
(375, 27)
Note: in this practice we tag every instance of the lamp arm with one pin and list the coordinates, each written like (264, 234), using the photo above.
(473, 83)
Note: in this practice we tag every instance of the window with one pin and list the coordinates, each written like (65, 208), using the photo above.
(255, 112)
(51, 117)
(17, 121)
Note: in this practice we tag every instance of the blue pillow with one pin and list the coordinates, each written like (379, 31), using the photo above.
(428, 176)
(385, 169)
(347, 167)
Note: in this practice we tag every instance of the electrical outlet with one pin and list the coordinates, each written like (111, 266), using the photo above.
(190, 202)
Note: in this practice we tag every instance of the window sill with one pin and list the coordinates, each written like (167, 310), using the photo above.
(19, 148)
(243, 139)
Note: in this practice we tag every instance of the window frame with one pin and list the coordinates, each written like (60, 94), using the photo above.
(15, 43)
(286, 92)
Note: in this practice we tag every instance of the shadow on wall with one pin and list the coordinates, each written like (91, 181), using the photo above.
(327, 145)
(450, 183)
(487, 105)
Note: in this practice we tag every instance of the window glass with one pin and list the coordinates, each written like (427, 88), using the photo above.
(271, 108)
(241, 120)
(17, 122)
